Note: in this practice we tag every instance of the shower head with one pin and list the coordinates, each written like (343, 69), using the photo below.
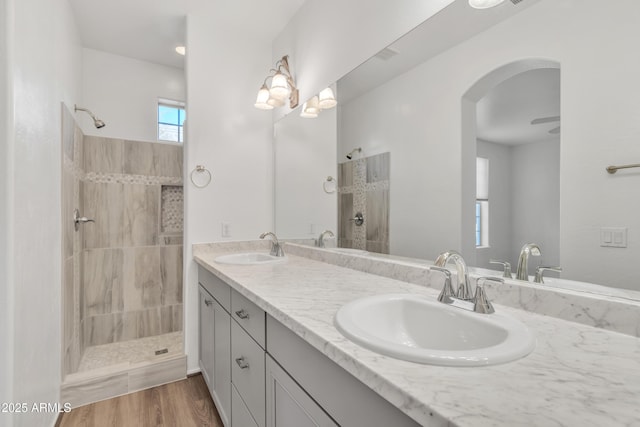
(355, 150)
(96, 121)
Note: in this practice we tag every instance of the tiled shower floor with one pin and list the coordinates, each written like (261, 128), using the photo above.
(134, 351)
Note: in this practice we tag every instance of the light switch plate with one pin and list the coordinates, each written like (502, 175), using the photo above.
(613, 237)
(226, 229)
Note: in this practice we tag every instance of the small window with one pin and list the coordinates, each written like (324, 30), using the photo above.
(171, 115)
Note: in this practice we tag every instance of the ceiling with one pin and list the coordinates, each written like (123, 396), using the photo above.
(505, 114)
(150, 30)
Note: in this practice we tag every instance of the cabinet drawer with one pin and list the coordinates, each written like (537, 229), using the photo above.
(248, 372)
(216, 287)
(241, 417)
(249, 316)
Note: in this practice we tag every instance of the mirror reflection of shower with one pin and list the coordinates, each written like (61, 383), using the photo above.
(96, 121)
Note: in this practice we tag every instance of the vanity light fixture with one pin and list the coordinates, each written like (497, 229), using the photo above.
(310, 109)
(181, 50)
(484, 4)
(325, 100)
(282, 87)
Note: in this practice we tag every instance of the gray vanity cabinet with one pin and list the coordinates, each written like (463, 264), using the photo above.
(214, 354)
(287, 403)
(261, 374)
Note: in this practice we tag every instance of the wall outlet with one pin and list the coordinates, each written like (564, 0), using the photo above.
(226, 229)
(613, 237)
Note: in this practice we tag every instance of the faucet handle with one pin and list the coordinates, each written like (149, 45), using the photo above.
(507, 267)
(481, 303)
(447, 290)
(540, 273)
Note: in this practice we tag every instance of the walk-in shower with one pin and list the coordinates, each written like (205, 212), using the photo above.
(122, 220)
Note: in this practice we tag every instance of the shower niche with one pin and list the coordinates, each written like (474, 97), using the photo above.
(122, 274)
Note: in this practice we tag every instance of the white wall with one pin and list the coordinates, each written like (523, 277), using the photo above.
(524, 202)
(45, 71)
(108, 82)
(6, 174)
(536, 201)
(500, 206)
(599, 127)
(229, 136)
(328, 38)
(305, 155)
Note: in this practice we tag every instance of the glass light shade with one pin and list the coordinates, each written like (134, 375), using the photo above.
(484, 4)
(279, 86)
(327, 99)
(305, 112)
(311, 106)
(262, 99)
(275, 102)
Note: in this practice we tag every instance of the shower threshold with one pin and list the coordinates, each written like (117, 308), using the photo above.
(115, 369)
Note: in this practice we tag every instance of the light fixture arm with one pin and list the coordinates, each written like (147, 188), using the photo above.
(282, 66)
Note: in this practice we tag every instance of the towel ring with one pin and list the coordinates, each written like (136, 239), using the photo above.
(324, 185)
(201, 169)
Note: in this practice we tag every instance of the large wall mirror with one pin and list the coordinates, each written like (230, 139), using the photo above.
(543, 95)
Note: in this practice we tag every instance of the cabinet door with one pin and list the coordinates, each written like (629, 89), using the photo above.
(222, 362)
(206, 331)
(241, 415)
(288, 405)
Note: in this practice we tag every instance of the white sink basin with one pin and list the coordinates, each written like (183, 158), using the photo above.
(249, 258)
(417, 329)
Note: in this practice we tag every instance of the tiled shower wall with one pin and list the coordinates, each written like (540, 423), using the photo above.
(122, 275)
(363, 186)
(72, 335)
(132, 266)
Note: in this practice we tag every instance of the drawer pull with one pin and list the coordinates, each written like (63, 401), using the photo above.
(208, 302)
(242, 314)
(242, 363)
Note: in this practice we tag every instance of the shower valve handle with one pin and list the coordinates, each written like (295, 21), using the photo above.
(77, 219)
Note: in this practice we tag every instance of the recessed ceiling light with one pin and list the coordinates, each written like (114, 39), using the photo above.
(181, 50)
(484, 4)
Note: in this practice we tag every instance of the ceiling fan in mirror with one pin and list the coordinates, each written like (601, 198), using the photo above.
(550, 119)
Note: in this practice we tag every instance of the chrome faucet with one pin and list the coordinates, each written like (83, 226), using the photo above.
(464, 289)
(276, 249)
(478, 304)
(528, 249)
(320, 240)
(539, 278)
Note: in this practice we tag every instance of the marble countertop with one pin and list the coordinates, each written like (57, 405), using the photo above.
(577, 375)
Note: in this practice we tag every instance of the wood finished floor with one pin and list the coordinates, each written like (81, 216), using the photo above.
(183, 403)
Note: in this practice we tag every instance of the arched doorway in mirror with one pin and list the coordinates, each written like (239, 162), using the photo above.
(511, 136)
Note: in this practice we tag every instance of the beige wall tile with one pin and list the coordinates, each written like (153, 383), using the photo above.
(171, 274)
(152, 159)
(377, 215)
(103, 203)
(103, 329)
(103, 281)
(147, 275)
(378, 167)
(345, 174)
(141, 214)
(78, 147)
(171, 318)
(68, 205)
(68, 302)
(345, 212)
(132, 289)
(103, 155)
